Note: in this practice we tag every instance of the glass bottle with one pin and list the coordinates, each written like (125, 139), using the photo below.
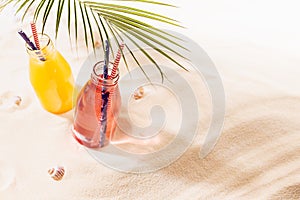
(97, 108)
(51, 77)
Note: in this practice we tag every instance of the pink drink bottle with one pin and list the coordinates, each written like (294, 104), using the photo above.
(89, 120)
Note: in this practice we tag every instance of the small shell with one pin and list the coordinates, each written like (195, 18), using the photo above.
(17, 100)
(57, 173)
(9, 101)
(139, 93)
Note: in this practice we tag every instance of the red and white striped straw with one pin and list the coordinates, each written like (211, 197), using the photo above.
(35, 36)
(117, 60)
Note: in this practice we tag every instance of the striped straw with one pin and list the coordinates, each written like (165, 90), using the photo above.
(117, 60)
(27, 40)
(105, 97)
(31, 45)
(35, 36)
(113, 73)
(106, 60)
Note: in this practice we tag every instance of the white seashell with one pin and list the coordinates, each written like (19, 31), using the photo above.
(9, 101)
(57, 173)
(16, 100)
(138, 93)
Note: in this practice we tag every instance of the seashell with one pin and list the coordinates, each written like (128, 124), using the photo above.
(57, 173)
(16, 100)
(138, 93)
(9, 101)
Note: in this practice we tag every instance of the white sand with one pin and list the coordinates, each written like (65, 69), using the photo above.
(255, 46)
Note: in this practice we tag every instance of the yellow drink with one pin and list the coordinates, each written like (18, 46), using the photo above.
(52, 78)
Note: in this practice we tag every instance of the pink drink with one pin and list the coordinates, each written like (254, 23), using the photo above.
(87, 123)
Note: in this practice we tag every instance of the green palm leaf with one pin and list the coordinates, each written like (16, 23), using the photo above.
(99, 29)
(140, 13)
(115, 34)
(69, 17)
(90, 26)
(132, 55)
(126, 9)
(144, 52)
(137, 34)
(131, 20)
(105, 31)
(137, 27)
(23, 4)
(4, 3)
(143, 35)
(111, 20)
(38, 9)
(58, 17)
(46, 13)
(20, 7)
(149, 1)
(84, 26)
(75, 21)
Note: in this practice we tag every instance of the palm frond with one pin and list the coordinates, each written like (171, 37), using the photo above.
(4, 3)
(130, 24)
(106, 33)
(149, 1)
(20, 7)
(84, 25)
(144, 52)
(111, 20)
(114, 33)
(99, 29)
(90, 27)
(116, 40)
(137, 34)
(38, 9)
(75, 21)
(132, 55)
(127, 9)
(144, 36)
(103, 9)
(46, 13)
(136, 12)
(60, 7)
(132, 21)
(26, 10)
(69, 18)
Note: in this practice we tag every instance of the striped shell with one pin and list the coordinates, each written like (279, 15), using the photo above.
(57, 173)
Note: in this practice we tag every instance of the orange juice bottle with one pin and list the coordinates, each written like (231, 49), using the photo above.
(51, 77)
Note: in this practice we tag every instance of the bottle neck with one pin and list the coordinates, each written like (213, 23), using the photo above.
(46, 48)
(97, 75)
